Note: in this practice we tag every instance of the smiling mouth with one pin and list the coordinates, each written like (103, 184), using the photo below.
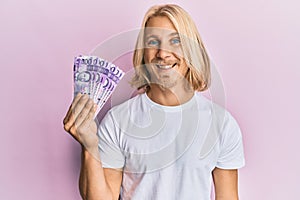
(165, 66)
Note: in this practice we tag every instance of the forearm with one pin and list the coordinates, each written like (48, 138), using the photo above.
(226, 198)
(229, 198)
(92, 181)
(228, 195)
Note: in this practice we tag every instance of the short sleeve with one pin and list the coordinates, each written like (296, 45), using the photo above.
(111, 155)
(231, 145)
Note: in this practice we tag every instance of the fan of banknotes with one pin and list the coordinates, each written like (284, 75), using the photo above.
(96, 77)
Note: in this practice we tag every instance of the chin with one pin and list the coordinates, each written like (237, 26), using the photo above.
(167, 84)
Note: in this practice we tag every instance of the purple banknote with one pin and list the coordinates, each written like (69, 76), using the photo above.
(96, 77)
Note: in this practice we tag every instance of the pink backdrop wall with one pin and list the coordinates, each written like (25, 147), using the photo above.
(254, 45)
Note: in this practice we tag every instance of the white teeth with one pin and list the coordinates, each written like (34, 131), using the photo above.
(165, 66)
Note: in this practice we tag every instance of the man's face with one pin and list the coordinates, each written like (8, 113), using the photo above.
(163, 53)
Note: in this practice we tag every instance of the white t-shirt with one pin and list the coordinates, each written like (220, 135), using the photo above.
(169, 152)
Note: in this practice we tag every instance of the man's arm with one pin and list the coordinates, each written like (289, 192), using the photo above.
(97, 183)
(226, 184)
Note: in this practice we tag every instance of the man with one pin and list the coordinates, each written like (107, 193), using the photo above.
(169, 142)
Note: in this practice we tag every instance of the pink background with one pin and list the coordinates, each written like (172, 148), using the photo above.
(254, 45)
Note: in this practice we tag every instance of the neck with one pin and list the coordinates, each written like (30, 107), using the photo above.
(169, 97)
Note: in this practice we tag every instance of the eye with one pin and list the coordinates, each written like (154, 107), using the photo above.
(153, 43)
(175, 41)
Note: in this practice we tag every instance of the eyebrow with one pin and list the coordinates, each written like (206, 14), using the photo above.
(174, 33)
(151, 36)
(156, 36)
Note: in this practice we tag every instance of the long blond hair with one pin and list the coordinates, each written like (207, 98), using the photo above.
(194, 53)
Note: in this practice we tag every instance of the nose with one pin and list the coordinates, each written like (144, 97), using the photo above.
(163, 53)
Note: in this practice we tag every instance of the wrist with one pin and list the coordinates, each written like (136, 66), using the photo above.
(91, 153)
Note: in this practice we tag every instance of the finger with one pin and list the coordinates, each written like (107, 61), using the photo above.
(77, 130)
(75, 100)
(73, 133)
(90, 117)
(76, 109)
(84, 112)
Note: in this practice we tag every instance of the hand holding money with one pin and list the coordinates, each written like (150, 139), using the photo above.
(94, 81)
(80, 123)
